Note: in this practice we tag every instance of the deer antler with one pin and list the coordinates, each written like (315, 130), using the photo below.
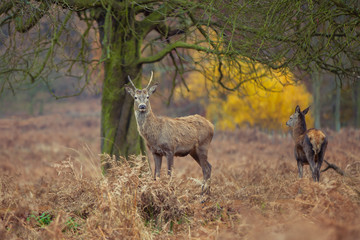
(131, 82)
(152, 74)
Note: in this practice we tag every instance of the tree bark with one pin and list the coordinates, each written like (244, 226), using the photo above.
(337, 103)
(121, 48)
(357, 103)
(119, 135)
(316, 82)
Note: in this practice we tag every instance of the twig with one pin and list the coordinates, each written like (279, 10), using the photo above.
(333, 166)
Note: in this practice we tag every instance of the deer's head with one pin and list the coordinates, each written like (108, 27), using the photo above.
(297, 116)
(141, 96)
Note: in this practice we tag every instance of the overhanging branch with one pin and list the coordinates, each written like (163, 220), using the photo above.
(23, 25)
(165, 31)
(5, 6)
(80, 5)
(161, 54)
(154, 19)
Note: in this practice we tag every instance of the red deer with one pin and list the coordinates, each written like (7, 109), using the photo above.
(310, 145)
(171, 137)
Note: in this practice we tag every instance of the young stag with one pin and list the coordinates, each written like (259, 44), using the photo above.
(171, 137)
(310, 145)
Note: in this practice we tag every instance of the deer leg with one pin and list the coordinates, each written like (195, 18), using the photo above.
(195, 157)
(300, 168)
(170, 162)
(317, 172)
(205, 188)
(311, 160)
(310, 157)
(158, 161)
(320, 159)
(206, 168)
(300, 163)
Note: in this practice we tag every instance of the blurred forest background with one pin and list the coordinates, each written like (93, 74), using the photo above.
(265, 104)
(244, 65)
(256, 107)
(311, 58)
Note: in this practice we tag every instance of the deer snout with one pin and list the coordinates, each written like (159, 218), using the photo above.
(290, 123)
(142, 107)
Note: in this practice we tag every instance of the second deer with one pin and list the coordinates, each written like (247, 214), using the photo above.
(310, 144)
(171, 137)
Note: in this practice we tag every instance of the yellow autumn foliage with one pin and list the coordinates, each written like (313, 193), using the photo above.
(265, 103)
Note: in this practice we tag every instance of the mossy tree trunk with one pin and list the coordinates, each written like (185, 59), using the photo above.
(357, 104)
(121, 47)
(316, 84)
(121, 36)
(119, 134)
(337, 112)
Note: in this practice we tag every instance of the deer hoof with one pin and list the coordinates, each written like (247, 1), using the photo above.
(205, 188)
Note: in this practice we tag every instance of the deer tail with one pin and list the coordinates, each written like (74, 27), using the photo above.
(317, 139)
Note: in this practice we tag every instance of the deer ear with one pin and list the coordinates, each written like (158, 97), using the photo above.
(297, 109)
(306, 110)
(130, 91)
(153, 88)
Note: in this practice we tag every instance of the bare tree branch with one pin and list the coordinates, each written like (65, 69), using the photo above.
(36, 13)
(5, 6)
(179, 44)
(334, 167)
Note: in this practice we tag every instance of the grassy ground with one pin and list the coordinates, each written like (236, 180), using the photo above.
(52, 187)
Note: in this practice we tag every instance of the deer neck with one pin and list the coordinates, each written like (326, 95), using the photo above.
(299, 129)
(144, 120)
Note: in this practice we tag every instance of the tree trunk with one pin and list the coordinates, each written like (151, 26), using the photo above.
(119, 135)
(316, 82)
(337, 103)
(357, 103)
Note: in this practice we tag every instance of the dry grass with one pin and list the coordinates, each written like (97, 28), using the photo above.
(50, 169)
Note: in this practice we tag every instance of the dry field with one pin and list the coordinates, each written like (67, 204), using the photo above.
(52, 186)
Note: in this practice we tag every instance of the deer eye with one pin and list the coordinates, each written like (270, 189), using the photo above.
(135, 98)
(147, 97)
